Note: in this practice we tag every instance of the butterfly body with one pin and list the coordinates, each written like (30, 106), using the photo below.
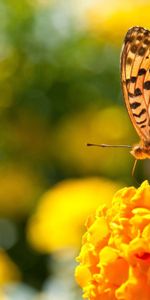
(141, 151)
(135, 78)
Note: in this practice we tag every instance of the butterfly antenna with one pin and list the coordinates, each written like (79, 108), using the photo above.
(134, 165)
(110, 146)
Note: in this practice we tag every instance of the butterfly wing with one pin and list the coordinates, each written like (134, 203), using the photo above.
(135, 77)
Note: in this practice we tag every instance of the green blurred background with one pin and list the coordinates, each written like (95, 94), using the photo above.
(59, 89)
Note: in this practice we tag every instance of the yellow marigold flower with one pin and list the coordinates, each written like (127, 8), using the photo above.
(58, 220)
(115, 255)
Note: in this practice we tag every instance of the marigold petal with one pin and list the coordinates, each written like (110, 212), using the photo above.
(98, 231)
(146, 233)
(142, 196)
(83, 275)
(111, 265)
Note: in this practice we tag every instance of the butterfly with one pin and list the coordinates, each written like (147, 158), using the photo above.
(135, 79)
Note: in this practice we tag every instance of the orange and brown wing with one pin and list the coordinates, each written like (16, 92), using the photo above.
(135, 77)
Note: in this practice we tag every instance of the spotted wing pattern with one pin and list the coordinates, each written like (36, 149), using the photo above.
(135, 77)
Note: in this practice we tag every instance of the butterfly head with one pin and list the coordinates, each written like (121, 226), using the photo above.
(141, 151)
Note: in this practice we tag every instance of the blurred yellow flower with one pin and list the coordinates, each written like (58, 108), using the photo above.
(58, 221)
(111, 19)
(93, 125)
(19, 187)
(115, 255)
(8, 270)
